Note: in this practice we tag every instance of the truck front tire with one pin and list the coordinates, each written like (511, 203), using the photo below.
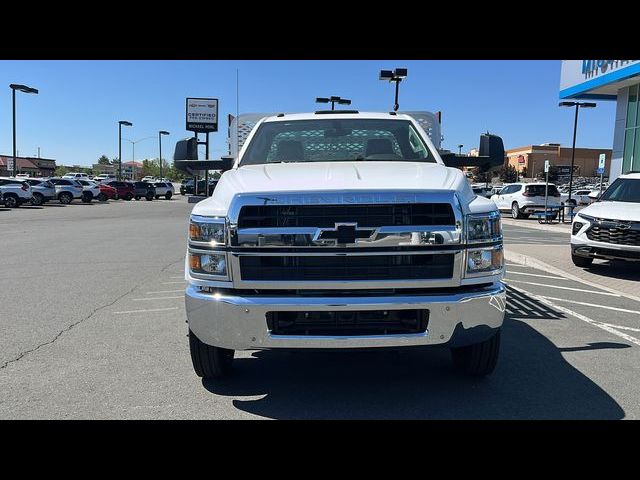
(479, 359)
(209, 361)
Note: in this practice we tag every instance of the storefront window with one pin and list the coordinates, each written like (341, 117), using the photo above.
(631, 158)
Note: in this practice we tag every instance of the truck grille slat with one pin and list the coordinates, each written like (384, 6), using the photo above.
(336, 268)
(358, 322)
(326, 216)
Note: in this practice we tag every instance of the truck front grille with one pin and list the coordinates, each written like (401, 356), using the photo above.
(325, 216)
(348, 323)
(355, 267)
(614, 235)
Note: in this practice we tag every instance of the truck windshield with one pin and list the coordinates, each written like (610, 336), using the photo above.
(332, 140)
(623, 190)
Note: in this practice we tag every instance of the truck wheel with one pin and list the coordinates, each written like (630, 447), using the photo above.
(208, 361)
(65, 198)
(582, 262)
(11, 201)
(515, 210)
(37, 199)
(477, 360)
(168, 196)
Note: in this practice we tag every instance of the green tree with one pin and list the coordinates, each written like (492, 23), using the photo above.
(104, 160)
(150, 168)
(508, 174)
(60, 171)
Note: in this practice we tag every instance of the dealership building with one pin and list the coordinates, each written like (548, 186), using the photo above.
(610, 80)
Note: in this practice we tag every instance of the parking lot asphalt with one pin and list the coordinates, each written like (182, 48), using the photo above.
(93, 326)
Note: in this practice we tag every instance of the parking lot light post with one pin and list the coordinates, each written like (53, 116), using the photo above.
(575, 129)
(460, 149)
(396, 76)
(160, 133)
(23, 89)
(120, 124)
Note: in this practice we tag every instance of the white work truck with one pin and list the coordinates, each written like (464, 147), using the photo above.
(342, 230)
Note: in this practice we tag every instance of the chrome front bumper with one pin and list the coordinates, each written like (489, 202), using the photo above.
(239, 322)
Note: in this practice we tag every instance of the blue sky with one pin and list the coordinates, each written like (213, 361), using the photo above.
(74, 118)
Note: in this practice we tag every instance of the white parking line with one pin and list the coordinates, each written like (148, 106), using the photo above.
(592, 305)
(538, 275)
(604, 326)
(562, 288)
(620, 327)
(156, 298)
(172, 283)
(165, 291)
(148, 310)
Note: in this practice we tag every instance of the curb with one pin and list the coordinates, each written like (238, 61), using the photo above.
(522, 259)
(538, 226)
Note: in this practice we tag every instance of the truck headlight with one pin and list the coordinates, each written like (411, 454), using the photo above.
(208, 263)
(485, 260)
(485, 227)
(207, 230)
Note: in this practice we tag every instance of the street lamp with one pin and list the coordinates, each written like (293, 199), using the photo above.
(120, 124)
(460, 149)
(333, 100)
(160, 133)
(23, 89)
(133, 153)
(396, 76)
(575, 128)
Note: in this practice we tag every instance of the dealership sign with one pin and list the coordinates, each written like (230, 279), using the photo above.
(595, 79)
(202, 114)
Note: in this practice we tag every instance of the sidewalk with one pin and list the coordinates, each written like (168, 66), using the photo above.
(617, 277)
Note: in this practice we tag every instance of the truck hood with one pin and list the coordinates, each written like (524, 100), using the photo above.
(614, 211)
(332, 176)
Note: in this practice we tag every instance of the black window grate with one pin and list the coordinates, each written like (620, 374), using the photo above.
(326, 216)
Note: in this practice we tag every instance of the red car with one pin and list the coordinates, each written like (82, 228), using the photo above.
(125, 190)
(106, 192)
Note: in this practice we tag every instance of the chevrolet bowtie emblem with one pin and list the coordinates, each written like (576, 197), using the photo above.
(343, 233)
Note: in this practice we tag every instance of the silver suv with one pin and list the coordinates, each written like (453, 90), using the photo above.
(14, 192)
(164, 189)
(42, 191)
(66, 189)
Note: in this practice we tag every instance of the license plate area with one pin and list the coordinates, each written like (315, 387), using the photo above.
(348, 323)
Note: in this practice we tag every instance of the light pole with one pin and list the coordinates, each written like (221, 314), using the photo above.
(120, 124)
(460, 149)
(575, 128)
(396, 76)
(23, 89)
(160, 133)
(133, 153)
(333, 100)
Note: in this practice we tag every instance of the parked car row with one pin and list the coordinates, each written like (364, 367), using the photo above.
(15, 192)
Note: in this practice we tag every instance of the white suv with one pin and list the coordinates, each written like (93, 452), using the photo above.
(522, 199)
(14, 192)
(76, 176)
(609, 228)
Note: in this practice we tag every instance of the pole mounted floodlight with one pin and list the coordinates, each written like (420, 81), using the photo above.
(23, 89)
(120, 124)
(333, 100)
(578, 105)
(396, 76)
(460, 149)
(160, 133)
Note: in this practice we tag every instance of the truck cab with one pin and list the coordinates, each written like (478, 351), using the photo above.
(342, 230)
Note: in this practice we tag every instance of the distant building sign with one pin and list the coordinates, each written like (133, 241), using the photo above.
(521, 159)
(564, 170)
(594, 78)
(202, 114)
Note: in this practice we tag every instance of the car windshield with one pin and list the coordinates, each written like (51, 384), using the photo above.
(326, 140)
(623, 190)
